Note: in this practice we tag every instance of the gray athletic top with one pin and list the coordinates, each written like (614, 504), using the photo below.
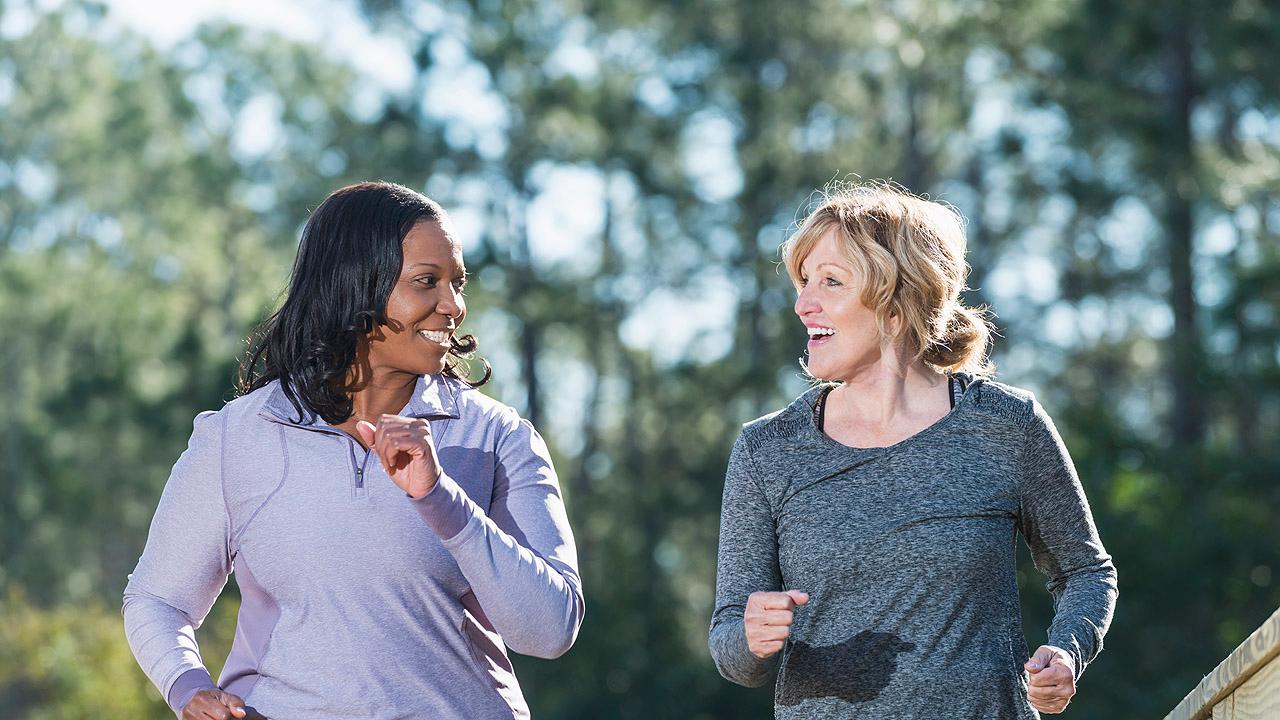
(357, 601)
(908, 555)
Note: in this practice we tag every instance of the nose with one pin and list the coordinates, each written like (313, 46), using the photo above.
(451, 303)
(806, 303)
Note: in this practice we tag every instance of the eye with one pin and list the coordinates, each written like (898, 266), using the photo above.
(460, 284)
(802, 281)
(428, 280)
(832, 282)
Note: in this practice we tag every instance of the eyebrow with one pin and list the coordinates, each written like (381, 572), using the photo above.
(834, 265)
(415, 266)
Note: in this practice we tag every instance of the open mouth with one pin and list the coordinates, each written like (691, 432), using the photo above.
(439, 337)
(819, 335)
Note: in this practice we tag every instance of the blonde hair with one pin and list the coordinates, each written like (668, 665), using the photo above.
(909, 254)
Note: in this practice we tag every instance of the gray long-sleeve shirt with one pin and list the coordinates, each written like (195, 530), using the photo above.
(908, 555)
(357, 601)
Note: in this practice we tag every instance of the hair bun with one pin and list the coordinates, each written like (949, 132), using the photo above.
(964, 345)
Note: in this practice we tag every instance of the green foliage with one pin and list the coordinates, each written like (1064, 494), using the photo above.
(71, 662)
(147, 222)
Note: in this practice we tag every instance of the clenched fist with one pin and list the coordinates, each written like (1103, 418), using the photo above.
(767, 620)
(405, 448)
(213, 705)
(1051, 679)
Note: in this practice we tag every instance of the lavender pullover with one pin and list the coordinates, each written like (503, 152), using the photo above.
(357, 601)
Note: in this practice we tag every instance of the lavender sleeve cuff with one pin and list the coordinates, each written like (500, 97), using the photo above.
(186, 686)
(446, 508)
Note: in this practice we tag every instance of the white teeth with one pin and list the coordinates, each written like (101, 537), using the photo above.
(436, 336)
(819, 331)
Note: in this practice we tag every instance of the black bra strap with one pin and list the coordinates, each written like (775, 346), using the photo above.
(820, 407)
(957, 384)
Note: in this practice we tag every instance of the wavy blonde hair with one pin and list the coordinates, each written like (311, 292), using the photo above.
(909, 254)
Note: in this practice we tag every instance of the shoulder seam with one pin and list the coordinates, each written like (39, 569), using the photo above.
(787, 422)
(1006, 405)
(754, 477)
(775, 428)
(222, 485)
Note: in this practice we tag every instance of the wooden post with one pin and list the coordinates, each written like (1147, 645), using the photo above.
(1245, 686)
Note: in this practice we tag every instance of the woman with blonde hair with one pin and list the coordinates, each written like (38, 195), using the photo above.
(868, 532)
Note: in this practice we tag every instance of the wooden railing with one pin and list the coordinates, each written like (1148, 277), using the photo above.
(1245, 686)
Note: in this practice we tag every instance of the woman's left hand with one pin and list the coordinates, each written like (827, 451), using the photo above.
(1052, 679)
(406, 451)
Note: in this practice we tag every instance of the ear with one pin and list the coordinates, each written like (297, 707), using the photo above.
(889, 324)
(893, 323)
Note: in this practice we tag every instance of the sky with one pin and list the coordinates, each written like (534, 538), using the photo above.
(168, 22)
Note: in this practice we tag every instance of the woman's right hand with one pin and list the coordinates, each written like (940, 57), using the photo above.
(215, 705)
(768, 618)
(406, 450)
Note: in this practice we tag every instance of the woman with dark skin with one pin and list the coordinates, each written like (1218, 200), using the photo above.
(371, 590)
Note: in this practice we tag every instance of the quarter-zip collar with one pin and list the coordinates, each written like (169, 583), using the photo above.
(433, 397)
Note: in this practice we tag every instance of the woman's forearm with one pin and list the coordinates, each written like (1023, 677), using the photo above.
(534, 601)
(163, 641)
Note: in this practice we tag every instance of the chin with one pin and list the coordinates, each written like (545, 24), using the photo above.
(834, 373)
(431, 364)
(819, 373)
(433, 370)
(421, 368)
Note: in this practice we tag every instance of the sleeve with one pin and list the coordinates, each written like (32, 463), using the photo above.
(520, 558)
(183, 569)
(1055, 519)
(747, 562)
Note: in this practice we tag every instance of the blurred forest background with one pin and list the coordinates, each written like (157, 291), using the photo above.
(622, 173)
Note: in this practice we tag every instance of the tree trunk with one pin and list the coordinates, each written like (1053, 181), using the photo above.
(530, 342)
(1187, 423)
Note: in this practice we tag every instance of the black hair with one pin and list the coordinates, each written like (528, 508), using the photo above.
(347, 264)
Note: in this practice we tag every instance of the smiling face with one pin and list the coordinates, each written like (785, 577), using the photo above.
(844, 338)
(425, 306)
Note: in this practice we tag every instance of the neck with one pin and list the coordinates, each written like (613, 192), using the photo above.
(892, 386)
(377, 391)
